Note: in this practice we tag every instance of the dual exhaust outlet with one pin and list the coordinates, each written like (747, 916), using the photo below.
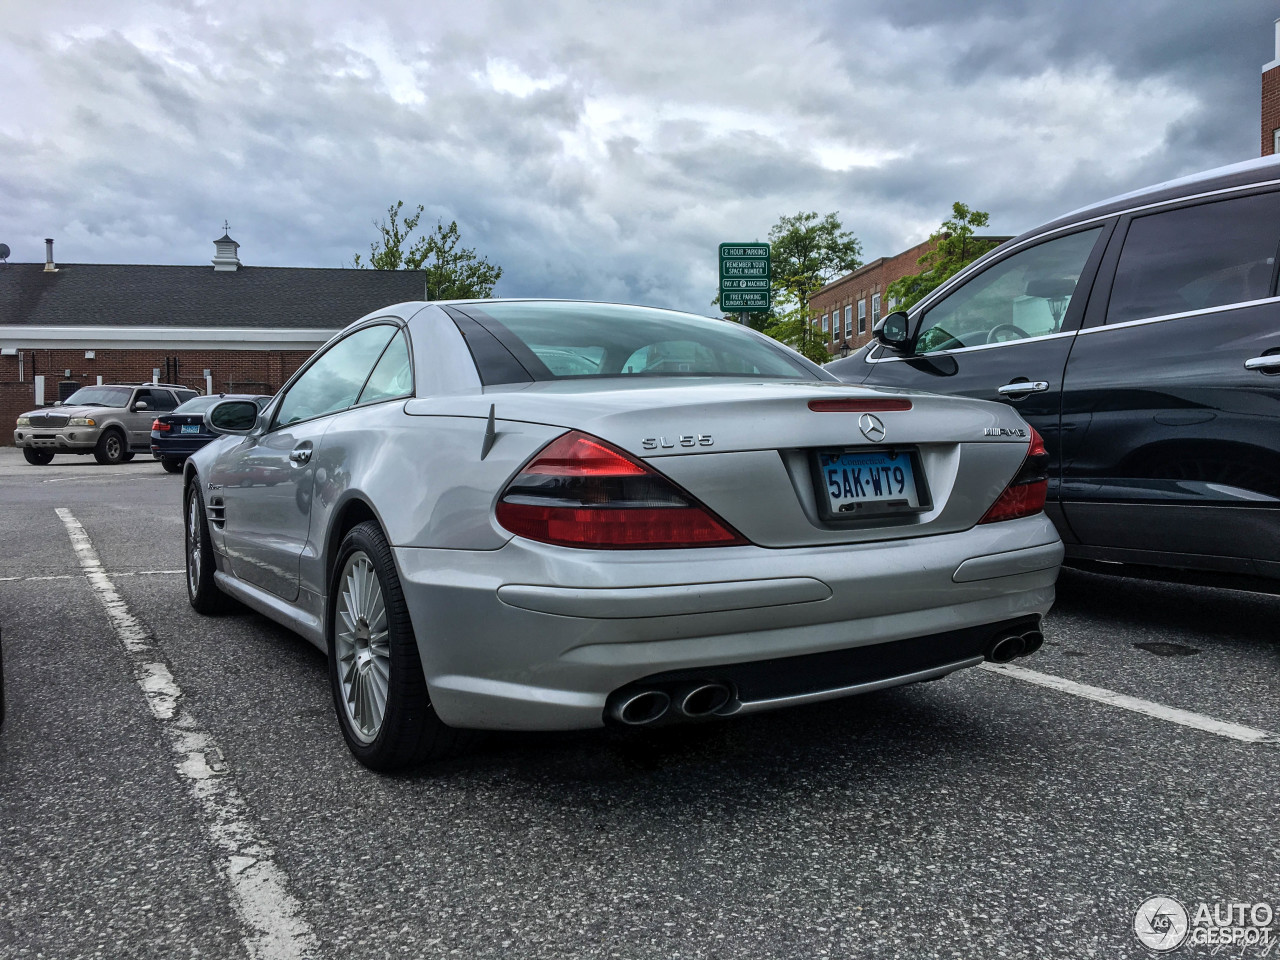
(642, 707)
(1010, 646)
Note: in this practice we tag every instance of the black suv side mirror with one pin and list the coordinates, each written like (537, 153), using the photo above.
(896, 331)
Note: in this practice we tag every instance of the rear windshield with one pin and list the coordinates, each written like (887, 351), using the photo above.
(99, 397)
(521, 340)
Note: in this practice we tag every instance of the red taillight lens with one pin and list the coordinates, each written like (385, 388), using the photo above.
(858, 406)
(1025, 494)
(161, 427)
(583, 492)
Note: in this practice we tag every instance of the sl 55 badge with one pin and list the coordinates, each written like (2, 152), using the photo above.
(684, 440)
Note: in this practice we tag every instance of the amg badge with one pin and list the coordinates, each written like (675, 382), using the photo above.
(1003, 432)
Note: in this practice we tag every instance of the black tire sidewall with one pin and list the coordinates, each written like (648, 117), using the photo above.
(409, 708)
(206, 598)
(37, 458)
(100, 451)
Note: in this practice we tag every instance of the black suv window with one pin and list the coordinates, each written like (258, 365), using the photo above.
(1197, 257)
(1024, 295)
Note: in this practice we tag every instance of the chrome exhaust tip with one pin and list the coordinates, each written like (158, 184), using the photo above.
(705, 699)
(1004, 649)
(640, 708)
(1032, 641)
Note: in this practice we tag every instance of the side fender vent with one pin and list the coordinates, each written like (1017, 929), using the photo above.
(217, 512)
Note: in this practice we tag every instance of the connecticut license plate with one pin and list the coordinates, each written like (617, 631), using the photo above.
(191, 428)
(852, 478)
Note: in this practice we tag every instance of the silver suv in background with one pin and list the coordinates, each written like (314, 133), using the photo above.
(111, 421)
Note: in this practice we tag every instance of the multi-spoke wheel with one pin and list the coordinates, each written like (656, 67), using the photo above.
(379, 690)
(201, 589)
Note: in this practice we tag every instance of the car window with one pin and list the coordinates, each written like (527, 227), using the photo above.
(334, 379)
(1197, 257)
(161, 400)
(392, 377)
(557, 340)
(1024, 295)
(98, 397)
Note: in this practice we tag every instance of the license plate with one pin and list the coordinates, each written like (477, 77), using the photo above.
(190, 428)
(877, 480)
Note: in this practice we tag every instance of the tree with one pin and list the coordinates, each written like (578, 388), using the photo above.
(955, 247)
(805, 253)
(453, 272)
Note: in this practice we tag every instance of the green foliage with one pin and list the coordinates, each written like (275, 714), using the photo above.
(955, 248)
(806, 252)
(453, 272)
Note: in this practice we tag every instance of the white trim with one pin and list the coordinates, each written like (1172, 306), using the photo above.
(178, 338)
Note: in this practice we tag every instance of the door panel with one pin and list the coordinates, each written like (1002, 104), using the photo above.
(1172, 444)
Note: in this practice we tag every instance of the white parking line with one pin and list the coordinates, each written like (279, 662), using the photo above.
(1185, 718)
(72, 576)
(99, 476)
(271, 915)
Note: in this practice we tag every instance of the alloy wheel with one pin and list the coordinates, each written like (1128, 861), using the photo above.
(362, 647)
(194, 533)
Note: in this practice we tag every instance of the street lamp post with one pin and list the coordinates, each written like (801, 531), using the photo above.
(844, 349)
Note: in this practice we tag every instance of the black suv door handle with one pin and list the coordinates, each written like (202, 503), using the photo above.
(1023, 387)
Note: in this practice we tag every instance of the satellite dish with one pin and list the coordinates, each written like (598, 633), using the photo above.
(4, 251)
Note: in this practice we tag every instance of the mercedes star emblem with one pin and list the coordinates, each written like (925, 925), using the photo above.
(871, 427)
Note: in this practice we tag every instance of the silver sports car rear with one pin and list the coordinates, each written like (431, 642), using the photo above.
(552, 515)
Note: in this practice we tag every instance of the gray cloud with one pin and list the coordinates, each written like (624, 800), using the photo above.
(598, 149)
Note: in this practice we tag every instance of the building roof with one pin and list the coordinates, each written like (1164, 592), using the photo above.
(129, 295)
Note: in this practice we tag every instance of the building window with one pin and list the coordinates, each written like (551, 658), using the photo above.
(825, 326)
(848, 320)
(875, 309)
(862, 316)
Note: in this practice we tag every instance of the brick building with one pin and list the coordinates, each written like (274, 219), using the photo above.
(223, 328)
(845, 310)
(1271, 102)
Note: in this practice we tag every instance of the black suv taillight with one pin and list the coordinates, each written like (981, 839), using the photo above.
(1026, 492)
(580, 491)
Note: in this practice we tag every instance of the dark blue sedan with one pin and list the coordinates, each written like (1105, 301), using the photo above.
(181, 432)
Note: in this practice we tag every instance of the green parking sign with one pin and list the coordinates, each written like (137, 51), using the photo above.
(745, 276)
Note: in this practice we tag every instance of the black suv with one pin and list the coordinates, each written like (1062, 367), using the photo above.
(1141, 337)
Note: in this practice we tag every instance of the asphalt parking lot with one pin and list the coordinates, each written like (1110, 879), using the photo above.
(984, 815)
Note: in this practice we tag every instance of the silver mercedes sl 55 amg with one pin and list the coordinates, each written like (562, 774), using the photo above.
(547, 515)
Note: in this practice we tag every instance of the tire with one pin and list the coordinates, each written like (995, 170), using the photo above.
(128, 455)
(37, 458)
(111, 448)
(203, 593)
(170, 465)
(379, 658)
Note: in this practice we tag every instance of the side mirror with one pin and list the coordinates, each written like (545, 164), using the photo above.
(141, 405)
(895, 331)
(237, 417)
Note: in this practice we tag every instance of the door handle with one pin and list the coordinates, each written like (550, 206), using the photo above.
(1266, 364)
(1023, 386)
(300, 454)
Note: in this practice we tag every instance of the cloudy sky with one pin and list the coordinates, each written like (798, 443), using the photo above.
(597, 149)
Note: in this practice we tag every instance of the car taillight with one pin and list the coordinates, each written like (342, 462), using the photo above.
(580, 491)
(162, 427)
(1025, 494)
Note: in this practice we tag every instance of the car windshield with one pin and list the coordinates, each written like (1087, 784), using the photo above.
(99, 397)
(562, 340)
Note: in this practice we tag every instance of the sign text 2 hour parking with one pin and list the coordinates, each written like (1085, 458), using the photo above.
(744, 276)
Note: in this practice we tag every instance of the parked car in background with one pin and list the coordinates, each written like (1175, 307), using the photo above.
(177, 435)
(482, 539)
(111, 421)
(1141, 338)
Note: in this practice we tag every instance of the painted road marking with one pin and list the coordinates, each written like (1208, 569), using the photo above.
(73, 576)
(99, 476)
(1185, 718)
(270, 914)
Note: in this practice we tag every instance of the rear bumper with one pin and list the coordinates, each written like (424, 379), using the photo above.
(174, 449)
(538, 637)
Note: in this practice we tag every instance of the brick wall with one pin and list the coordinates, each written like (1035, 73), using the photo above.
(862, 284)
(233, 371)
(1270, 109)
